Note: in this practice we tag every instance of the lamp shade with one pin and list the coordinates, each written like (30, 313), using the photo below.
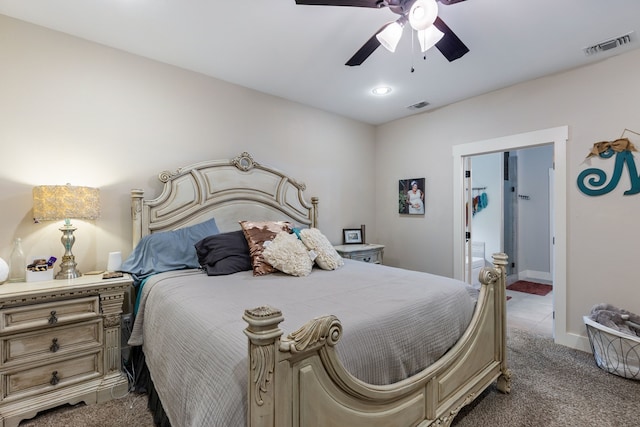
(391, 34)
(55, 202)
(429, 37)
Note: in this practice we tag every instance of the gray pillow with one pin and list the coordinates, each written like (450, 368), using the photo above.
(224, 253)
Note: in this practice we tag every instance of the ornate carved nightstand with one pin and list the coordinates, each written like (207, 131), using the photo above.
(59, 343)
(368, 253)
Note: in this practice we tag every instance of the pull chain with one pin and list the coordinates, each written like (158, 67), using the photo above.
(412, 49)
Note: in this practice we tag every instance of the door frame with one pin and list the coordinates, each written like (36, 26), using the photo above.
(557, 136)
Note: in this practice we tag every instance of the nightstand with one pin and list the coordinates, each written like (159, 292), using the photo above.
(59, 343)
(368, 253)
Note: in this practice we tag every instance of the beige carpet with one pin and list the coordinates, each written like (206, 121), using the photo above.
(552, 386)
(129, 411)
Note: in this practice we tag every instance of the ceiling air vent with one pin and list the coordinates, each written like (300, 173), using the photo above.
(610, 44)
(418, 105)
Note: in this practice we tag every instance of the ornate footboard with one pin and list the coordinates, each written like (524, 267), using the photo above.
(298, 381)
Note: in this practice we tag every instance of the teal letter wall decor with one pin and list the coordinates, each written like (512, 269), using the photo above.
(597, 178)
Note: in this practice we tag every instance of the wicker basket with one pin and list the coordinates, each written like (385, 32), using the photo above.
(615, 352)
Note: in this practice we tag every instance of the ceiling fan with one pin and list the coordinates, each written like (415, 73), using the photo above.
(422, 16)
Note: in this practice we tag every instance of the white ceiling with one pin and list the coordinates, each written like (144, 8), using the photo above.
(298, 52)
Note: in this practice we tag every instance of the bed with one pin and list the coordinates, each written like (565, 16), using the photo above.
(335, 347)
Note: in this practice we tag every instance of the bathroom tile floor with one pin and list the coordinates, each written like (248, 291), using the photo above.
(531, 312)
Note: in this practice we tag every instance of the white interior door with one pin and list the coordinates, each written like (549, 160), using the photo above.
(510, 214)
(468, 196)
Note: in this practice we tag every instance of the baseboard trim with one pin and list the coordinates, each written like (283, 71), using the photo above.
(535, 275)
(573, 340)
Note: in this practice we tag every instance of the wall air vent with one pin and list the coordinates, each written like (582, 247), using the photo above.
(610, 44)
(418, 105)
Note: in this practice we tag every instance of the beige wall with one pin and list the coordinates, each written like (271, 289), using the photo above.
(597, 103)
(78, 112)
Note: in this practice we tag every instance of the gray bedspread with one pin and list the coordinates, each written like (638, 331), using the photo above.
(395, 323)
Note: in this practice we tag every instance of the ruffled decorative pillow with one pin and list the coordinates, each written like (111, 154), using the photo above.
(258, 232)
(327, 256)
(288, 254)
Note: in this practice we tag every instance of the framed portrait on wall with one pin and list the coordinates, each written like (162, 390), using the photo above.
(411, 197)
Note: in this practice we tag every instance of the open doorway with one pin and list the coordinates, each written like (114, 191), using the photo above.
(557, 137)
(511, 199)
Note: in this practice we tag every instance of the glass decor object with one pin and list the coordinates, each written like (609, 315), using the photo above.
(17, 263)
(66, 202)
(4, 271)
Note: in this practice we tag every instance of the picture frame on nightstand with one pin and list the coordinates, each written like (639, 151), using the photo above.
(352, 236)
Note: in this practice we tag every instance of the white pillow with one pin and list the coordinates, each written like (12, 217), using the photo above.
(327, 256)
(288, 254)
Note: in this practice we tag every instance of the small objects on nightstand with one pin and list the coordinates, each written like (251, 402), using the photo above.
(40, 269)
(114, 261)
(112, 275)
(39, 265)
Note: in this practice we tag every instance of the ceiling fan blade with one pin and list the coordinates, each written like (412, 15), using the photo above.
(365, 51)
(355, 3)
(447, 2)
(450, 45)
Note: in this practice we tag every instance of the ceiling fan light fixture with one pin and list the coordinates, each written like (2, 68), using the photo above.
(429, 37)
(422, 14)
(391, 34)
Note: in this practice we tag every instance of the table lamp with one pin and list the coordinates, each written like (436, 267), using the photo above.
(56, 202)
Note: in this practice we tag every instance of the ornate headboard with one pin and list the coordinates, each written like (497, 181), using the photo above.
(229, 190)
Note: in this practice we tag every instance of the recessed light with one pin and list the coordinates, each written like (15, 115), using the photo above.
(381, 90)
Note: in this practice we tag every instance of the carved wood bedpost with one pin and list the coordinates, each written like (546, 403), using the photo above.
(264, 340)
(500, 261)
(136, 214)
(314, 212)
